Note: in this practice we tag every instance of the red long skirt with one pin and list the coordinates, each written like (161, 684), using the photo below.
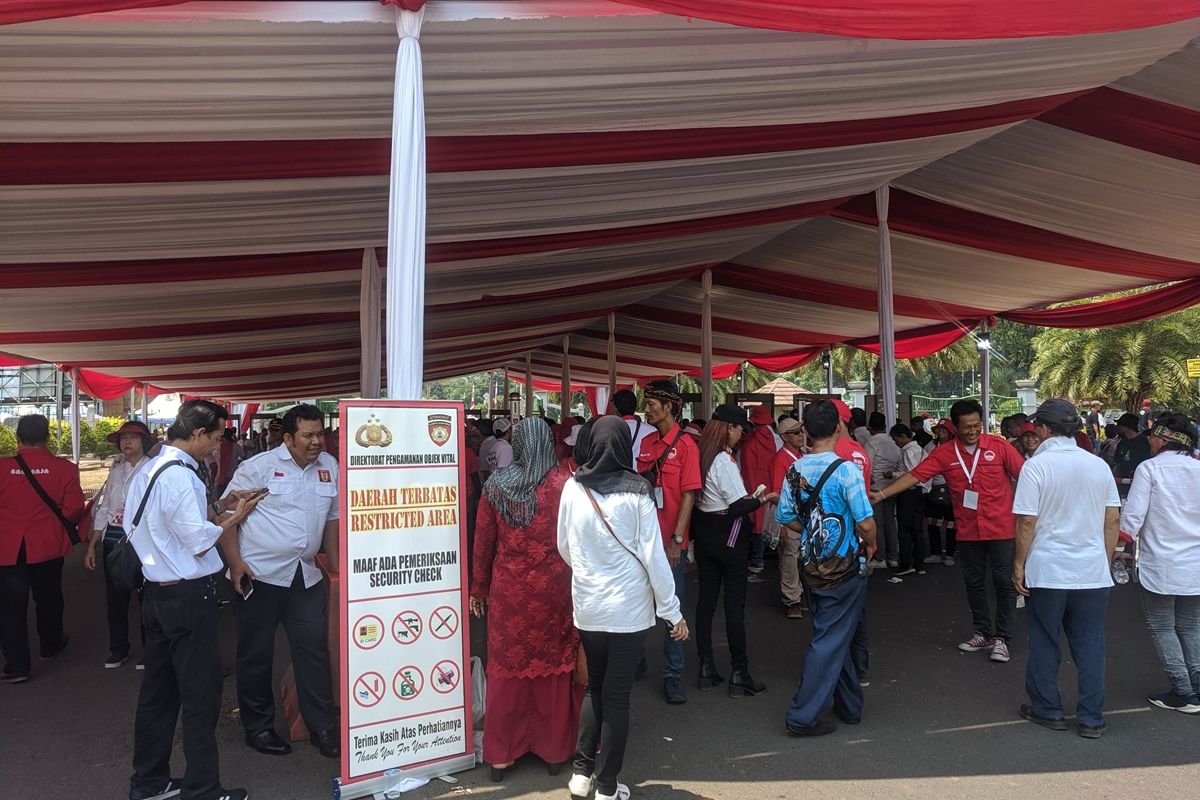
(531, 715)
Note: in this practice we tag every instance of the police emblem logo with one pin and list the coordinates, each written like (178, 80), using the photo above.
(373, 433)
(439, 428)
(325, 476)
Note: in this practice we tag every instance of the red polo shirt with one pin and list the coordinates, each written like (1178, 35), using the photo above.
(850, 450)
(680, 473)
(999, 466)
(779, 466)
(25, 517)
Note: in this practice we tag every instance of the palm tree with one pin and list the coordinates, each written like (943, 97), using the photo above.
(850, 362)
(1124, 365)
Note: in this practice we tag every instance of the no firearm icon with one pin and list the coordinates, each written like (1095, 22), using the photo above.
(407, 627)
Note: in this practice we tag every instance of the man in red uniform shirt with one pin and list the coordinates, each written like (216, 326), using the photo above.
(674, 460)
(33, 543)
(979, 469)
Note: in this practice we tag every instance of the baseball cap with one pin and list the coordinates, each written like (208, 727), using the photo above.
(1056, 412)
(842, 409)
(1028, 427)
(789, 425)
(500, 425)
(734, 415)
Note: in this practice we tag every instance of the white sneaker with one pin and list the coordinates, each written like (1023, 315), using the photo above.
(933, 559)
(893, 562)
(948, 561)
(580, 786)
(622, 793)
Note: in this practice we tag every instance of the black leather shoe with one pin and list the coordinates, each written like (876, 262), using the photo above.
(709, 677)
(820, 728)
(742, 684)
(54, 651)
(268, 742)
(327, 742)
(1054, 724)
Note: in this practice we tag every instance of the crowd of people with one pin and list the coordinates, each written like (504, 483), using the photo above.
(581, 535)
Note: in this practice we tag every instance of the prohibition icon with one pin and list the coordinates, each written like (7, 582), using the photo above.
(443, 622)
(368, 632)
(369, 689)
(408, 683)
(444, 677)
(407, 627)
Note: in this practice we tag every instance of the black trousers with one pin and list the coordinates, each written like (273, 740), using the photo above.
(721, 566)
(302, 613)
(910, 514)
(183, 673)
(978, 559)
(44, 581)
(604, 718)
(117, 606)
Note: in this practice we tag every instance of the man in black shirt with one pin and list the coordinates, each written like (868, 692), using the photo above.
(1132, 450)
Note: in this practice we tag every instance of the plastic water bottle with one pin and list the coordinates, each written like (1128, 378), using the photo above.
(393, 792)
(862, 566)
(1120, 572)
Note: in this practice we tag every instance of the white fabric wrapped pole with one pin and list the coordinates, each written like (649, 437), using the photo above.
(564, 399)
(75, 415)
(612, 357)
(706, 345)
(985, 377)
(369, 333)
(145, 405)
(887, 325)
(529, 384)
(406, 218)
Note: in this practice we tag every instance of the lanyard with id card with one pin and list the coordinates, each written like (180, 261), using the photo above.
(970, 496)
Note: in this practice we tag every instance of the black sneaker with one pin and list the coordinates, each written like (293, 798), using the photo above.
(233, 794)
(115, 660)
(162, 793)
(673, 691)
(49, 654)
(13, 677)
(1173, 702)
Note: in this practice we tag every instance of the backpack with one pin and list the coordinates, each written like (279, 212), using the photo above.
(823, 563)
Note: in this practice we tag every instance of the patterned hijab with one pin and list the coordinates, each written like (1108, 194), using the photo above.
(512, 491)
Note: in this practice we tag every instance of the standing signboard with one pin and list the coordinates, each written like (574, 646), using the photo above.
(405, 704)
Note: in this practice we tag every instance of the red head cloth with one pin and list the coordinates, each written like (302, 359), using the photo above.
(761, 415)
(1028, 427)
(948, 425)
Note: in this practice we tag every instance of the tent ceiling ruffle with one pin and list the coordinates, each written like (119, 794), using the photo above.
(574, 172)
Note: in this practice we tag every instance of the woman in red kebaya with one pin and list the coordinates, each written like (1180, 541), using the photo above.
(521, 581)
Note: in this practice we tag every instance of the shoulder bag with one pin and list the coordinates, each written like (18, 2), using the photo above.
(72, 529)
(123, 564)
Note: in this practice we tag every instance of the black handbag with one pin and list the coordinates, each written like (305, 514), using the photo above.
(123, 563)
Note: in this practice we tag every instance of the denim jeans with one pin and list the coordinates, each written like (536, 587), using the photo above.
(1080, 613)
(758, 549)
(672, 650)
(829, 673)
(1174, 623)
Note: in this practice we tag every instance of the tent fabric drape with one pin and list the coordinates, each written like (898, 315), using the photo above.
(100, 386)
(1115, 311)
(12, 11)
(406, 217)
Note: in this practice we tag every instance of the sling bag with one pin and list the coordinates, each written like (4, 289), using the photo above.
(123, 564)
(72, 529)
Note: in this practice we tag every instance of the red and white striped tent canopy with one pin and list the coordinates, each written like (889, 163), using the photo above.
(188, 190)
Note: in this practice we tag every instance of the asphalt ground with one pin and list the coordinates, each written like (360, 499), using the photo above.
(938, 723)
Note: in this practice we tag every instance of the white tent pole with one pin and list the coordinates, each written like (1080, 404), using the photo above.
(369, 298)
(829, 371)
(529, 384)
(58, 402)
(612, 355)
(706, 344)
(984, 343)
(887, 325)
(75, 415)
(564, 399)
(406, 217)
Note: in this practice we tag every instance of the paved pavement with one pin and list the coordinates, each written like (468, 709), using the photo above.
(938, 723)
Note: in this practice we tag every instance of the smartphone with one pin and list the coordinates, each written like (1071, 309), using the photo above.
(760, 490)
(259, 493)
(247, 587)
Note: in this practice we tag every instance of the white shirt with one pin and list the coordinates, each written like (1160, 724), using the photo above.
(1162, 512)
(911, 455)
(109, 508)
(1067, 489)
(638, 430)
(885, 457)
(861, 435)
(287, 526)
(611, 589)
(723, 486)
(175, 540)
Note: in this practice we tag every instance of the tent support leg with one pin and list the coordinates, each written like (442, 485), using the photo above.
(887, 325)
(706, 344)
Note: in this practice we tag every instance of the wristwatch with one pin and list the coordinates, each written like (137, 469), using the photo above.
(678, 538)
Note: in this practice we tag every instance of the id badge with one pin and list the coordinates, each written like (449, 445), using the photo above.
(971, 499)
(658, 497)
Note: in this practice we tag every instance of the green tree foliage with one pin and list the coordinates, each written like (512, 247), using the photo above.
(8, 442)
(1123, 365)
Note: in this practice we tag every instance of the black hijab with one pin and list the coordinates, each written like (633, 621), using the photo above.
(583, 442)
(607, 463)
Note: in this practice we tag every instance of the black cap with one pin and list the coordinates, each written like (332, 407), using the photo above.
(734, 415)
(1128, 420)
(1056, 412)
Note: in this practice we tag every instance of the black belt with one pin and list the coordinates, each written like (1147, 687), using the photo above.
(184, 581)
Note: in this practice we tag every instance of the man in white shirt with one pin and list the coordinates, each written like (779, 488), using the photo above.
(1067, 511)
(885, 468)
(499, 452)
(275, 549)
(175, 538)
(625, 403)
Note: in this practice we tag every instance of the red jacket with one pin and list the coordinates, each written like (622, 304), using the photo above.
(25, 517)
(754, 457)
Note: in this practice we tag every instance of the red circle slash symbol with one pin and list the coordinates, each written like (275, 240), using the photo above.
(369, 689)
(443, 622)
(445, 676)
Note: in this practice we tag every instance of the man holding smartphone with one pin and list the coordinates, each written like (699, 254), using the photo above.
(272, 561)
